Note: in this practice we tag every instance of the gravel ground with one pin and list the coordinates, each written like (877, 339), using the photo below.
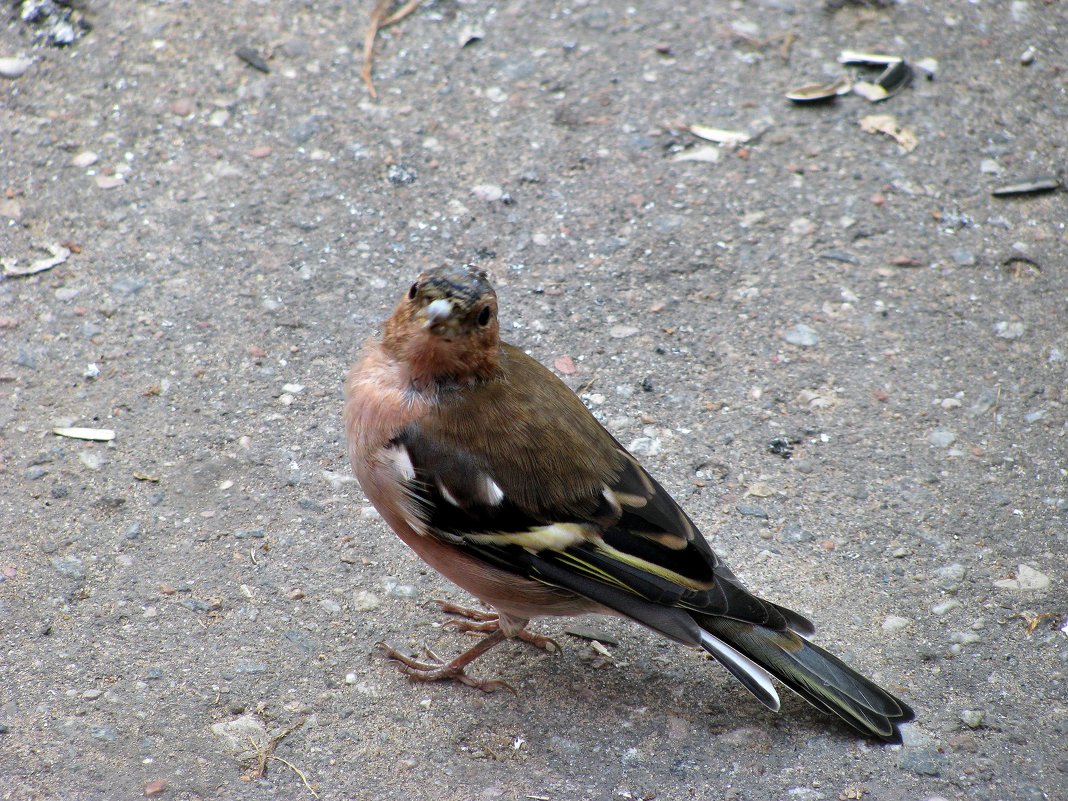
(200, 598)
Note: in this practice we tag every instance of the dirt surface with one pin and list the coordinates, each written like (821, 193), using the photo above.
(240, 233)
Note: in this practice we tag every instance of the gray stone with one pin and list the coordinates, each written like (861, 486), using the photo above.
(802, 335)
(70, 566)
(749, 510)
(941, 438)
(963, 257)
(242, 736)
(922, 761)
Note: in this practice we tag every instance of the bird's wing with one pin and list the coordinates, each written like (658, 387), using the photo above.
(580, 513)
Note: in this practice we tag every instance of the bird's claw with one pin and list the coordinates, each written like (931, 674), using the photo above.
(489, 622)
(437, 669)
(465, 611)
(541, 641)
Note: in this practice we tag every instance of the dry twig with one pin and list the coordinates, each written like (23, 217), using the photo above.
(265, 753)
(380, 18)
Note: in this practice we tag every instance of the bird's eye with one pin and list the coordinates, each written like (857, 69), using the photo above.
(484, 315)
(412, 292)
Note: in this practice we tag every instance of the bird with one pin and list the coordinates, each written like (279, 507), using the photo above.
(496, 474)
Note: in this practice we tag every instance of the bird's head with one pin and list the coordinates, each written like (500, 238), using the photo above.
(445, 327)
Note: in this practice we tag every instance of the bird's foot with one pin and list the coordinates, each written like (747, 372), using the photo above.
(488, 623)
(437, 669)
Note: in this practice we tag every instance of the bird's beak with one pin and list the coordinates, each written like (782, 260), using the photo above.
(438, 312)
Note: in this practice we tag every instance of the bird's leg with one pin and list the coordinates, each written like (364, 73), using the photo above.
(438, 669)
(489, 622)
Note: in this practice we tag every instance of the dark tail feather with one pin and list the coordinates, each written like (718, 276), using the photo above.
(818, 676)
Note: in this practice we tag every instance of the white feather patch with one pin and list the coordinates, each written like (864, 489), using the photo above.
(448, 496)
(401, 461)
(493, 493)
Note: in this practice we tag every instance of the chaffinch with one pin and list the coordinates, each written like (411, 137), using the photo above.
(495, 473)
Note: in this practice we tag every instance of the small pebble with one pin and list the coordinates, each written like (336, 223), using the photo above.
(70, 566)
(951, 573)
(398, 590)
(182, 107)
(92, 695)
(645, 446)
(922, 761)
(487, 192)
(622, 331)
(14, 67)
(972, 718)
(1027, 578)
(401, 174)
(941, 438)
(801, 335)
(945, 606)
(749, 510)
(963, 257)
(86, 158)
(330, 605)
(364, 601)
(893, 624)
(1008, 330)
(241, 736)
(965, 637)
(252, 57)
